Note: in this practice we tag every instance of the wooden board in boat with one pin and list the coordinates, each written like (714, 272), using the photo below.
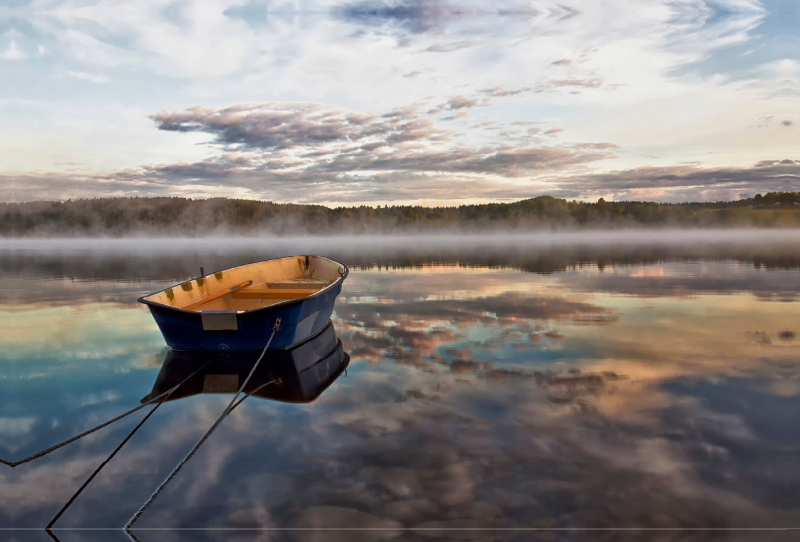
(298, 284)
(269, 293)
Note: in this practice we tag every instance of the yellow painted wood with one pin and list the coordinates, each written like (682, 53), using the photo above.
(270, 293)
(195, 304)
(298, 284)
(292, 268)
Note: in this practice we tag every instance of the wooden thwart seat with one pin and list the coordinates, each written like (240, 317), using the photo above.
(271, 293)
(193, 305)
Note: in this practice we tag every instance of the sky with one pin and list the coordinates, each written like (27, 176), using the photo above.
(350, 102)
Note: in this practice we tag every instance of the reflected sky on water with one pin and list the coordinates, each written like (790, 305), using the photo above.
(539, 386)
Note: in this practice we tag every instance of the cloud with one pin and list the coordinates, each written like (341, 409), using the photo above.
(689, 183)
(405, 18)
(212, 179)
(312, 152)
(282, 126)
(13, 52)
(500, 92)
(325, 139)
(460, 102)
(501, 52)
(764, 121)
(507, 161)
(414, 16)
(414, 173)
(253, 13)
(89, 77)
(459, 115)
(453, 46)
(582, 83)
(583, 145)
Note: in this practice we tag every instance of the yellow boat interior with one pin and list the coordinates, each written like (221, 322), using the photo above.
(252, 286)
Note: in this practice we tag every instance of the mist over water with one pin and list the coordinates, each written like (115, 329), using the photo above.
(542, 252)
(555, 381)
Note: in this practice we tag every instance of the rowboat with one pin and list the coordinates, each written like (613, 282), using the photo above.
(237, 309)
(298, 374)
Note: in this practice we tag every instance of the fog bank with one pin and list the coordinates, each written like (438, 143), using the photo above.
(414, 242)
(146, 259)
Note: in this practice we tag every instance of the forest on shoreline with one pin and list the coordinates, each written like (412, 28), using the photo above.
(118, 217)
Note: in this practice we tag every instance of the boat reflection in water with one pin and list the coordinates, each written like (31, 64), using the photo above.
(298, 374)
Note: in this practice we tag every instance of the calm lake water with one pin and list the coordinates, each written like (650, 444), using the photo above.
(553, 382)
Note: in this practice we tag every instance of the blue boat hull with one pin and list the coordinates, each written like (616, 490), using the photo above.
(183, 330)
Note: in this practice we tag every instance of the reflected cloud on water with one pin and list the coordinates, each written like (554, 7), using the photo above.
(649, 394)
(299, 374)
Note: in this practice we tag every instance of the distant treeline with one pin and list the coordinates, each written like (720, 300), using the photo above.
(188, 217)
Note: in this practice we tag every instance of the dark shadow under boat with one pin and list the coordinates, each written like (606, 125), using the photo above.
(298, 374)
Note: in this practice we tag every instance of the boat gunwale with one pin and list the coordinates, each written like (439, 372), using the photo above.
(318, 293)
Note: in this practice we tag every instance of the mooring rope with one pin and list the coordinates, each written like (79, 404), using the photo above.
(205, 437)
(277, 380)
(103, 464)
(109, 422)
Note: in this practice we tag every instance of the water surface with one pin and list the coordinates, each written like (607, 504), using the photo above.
(561, 384)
